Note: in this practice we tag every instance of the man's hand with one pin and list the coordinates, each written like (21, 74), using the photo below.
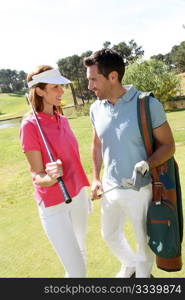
(142, 167)
(95, 188)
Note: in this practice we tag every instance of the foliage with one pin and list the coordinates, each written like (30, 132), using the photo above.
(73, 68)
(175, 58)
(130, 52)
(12, 80)
(153, 75)
(177, 55)
(164, 58)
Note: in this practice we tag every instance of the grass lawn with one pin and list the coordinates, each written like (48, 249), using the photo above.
(25, 250)
(15, 105)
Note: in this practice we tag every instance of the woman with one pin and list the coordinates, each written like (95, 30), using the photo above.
(64, 224)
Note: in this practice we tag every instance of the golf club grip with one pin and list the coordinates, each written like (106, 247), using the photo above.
(65, 193)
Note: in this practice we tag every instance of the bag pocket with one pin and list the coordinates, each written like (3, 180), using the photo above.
(163, 229)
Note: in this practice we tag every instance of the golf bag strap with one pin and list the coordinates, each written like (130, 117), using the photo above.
(157, 185)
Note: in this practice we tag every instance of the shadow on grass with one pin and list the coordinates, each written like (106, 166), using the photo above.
(175, 110)
(18, 94)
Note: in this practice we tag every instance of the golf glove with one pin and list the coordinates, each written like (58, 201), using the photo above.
(142, 167)
(127, 182)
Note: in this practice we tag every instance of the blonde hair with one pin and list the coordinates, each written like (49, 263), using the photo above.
(34, 98)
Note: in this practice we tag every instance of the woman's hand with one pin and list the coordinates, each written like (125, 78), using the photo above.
(54, 169)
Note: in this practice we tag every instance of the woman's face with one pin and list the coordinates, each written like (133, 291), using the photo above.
(52, 94)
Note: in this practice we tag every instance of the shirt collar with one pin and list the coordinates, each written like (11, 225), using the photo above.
(49, 119)
(131, 91)
(44, 116)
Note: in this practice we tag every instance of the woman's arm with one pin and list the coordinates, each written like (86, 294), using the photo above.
(43, 176)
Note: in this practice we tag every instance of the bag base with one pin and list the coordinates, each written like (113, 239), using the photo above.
(169, 264)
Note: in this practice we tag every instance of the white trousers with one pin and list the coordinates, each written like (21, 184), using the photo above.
(117, 206)
(66, 227)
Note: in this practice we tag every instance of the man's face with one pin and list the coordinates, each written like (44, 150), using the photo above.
(98, 83)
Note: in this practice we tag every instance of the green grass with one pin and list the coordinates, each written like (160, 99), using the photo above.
(13, 105)
(177, 123)
(25, 250)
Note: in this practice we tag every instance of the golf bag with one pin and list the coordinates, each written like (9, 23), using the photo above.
(165, 213)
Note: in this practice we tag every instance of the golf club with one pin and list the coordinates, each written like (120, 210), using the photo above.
(100, 195)
(62, 186)
(134, 183)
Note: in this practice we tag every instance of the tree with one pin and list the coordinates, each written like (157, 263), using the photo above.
(136, 51)
(164, 58)
(69, 67)
(177, 56)
(106, 44)
(158, 57)
(175, 59)
(72, 67)
(12, 80)
(130, 52)
(153, 75)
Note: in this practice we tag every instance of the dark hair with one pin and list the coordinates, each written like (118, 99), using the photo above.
(107, 60)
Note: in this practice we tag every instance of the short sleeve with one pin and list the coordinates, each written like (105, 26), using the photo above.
(158, 115)
(29, 137)
(92, 115)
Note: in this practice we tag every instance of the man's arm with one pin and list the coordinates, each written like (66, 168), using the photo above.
(96, 165)
(165, 145)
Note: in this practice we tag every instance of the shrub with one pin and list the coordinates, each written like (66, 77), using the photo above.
(153, 75)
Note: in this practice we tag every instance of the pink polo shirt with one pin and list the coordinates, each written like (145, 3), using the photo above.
(63, 146)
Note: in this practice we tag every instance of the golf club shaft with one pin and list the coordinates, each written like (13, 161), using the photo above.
(104, 192)
(62, 186)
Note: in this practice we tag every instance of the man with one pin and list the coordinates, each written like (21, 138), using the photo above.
(117, 143)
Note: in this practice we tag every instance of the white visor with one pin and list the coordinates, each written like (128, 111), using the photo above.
(51, 76)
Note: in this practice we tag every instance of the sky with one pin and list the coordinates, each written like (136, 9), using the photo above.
(39, 32)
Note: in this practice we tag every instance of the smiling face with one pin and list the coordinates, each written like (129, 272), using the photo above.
(98, 83)
(51, 96)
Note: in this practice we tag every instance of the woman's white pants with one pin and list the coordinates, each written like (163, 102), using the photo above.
(66, 228)
(117, 206)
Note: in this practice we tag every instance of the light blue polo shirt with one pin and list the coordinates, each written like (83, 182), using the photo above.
(118, 130)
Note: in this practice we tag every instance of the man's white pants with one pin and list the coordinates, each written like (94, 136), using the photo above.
(117, 206)
(66, 228)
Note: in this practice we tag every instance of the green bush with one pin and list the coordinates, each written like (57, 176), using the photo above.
(153, 75)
